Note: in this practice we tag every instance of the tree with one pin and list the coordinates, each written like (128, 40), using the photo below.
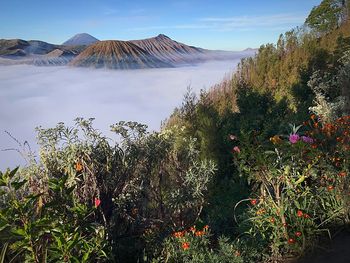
(326, 16)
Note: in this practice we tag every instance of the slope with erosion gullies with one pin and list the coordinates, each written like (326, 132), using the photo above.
(115, 54)
(35, 52)
(170, 51)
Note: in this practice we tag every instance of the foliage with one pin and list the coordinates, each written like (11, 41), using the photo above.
(326, 16)
(47, 226)
(301, 184)
(194, 245)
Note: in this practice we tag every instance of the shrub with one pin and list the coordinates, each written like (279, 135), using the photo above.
(301, 183)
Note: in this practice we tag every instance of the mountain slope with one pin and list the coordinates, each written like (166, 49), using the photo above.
(117, 55)
(13, 47)
(170, 51)
(80, 39)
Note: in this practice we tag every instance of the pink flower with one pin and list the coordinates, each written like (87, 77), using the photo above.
(236, 149)
(307, 139)
(294, 138)
(97, 202)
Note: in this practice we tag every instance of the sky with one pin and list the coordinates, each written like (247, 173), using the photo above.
(220, 24)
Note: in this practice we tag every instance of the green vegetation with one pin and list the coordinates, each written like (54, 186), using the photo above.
(254, 170)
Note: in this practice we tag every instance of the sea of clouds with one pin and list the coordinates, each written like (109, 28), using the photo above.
(33, 96)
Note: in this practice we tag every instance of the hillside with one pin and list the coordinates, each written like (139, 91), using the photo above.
(117, 55)
(170, 51)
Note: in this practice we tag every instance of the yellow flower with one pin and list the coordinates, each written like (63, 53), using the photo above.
(275, 139)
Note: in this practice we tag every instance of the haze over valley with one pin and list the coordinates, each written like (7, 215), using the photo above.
(32, 96)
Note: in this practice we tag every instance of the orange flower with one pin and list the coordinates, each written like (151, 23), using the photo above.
(300, 213)
(313, 116)
(330, 188)
(178, 234)
(206, 228)
(260, 211)
(199, 233)
(78, 167)
(185, 245)
(193, 229)
(272, 220)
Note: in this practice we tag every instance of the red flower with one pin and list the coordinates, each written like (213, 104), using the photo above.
(306, 216)
(291, 241)
(185, 245)
(97, 202)
(205, 228)
(342, 174)
(300, 213)
(298, 234)
(253, 201)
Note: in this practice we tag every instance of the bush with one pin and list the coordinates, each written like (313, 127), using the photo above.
(301, 182)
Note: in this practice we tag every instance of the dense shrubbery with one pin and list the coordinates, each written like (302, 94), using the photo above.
(301, 182)
(228, 159)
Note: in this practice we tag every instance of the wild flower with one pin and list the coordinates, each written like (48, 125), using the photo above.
(342, 174)
(294, 138)
(291, 241)
(97, 202)
(253, 201)
(178, 234)
(307, 139)
(236, 149)
(193, 229)
(78, 167)
(185, 245)
(199, 233)
(275, 139)
(300, 213)
(298, 233)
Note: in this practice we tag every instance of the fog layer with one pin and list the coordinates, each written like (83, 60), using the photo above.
(43, 96)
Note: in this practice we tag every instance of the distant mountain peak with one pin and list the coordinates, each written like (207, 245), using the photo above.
(81, 39)
(162, 36)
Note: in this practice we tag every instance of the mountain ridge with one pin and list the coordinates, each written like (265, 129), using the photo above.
(158, 51)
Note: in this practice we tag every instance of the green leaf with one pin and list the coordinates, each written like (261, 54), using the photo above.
(19, 232)
(3, 252)
(18, 185)
(13, 172)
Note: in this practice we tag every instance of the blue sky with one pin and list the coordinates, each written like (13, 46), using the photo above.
(221, 24)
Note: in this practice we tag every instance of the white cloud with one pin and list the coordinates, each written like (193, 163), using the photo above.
(237, 23)
(33, 96)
